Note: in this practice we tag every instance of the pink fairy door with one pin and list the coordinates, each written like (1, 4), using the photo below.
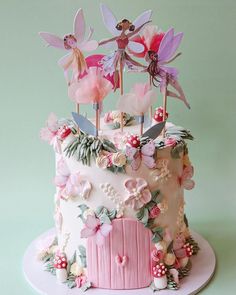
(124, 260)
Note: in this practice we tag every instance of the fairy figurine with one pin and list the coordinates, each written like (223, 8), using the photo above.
(160, 50)
(116, 61)
(74, 43)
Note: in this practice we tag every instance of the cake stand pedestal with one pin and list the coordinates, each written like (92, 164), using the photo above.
(203, 267)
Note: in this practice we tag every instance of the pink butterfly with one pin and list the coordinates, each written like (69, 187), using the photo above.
(145, 155)
(93, 227)
(70, 184)
(185, 179)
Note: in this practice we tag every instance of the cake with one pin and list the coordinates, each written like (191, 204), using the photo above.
(120, 177)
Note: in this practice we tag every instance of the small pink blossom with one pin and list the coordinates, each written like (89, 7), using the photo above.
(139, 194)
(80, 280)
(93, 227)
(154, 212)
(108, 117)
(120, 139)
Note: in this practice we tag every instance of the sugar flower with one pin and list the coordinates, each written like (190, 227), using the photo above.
(93, 227)
(139, 194)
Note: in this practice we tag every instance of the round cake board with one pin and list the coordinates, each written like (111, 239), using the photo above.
(203, 267)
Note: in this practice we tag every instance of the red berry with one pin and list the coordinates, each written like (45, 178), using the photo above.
(134, 141)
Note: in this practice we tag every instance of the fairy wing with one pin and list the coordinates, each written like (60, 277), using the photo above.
(135, 47)
(89, 45)
(142, 18)
(148, 149)
(79, 26)
(109, 20)
(52, 40)
(168, 46)
(63, 61)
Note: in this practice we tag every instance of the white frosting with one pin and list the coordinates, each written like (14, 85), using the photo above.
(170, 189)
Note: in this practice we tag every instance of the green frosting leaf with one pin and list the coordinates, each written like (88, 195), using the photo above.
(86, 286)
(105, 219)
(82, 255)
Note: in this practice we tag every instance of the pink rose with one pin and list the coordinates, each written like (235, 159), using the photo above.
(80, 281)
(154, 212)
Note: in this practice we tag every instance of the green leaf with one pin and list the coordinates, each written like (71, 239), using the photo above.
(145, 218)
(140, 214)
(170, 247)
(156, 238)
(86, 286)
(73, 259)
(105, 219)
(82, 250)
(71, 284)
(83, 208)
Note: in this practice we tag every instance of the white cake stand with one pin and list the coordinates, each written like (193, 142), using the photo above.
(203, 267)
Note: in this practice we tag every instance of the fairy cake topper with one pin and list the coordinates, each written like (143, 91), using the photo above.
(95, 76)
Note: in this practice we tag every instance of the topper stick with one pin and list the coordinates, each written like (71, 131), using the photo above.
(164, 108)
(141, 125)
(121, 92)
(150, 83)
(77, 108)
(96, 107)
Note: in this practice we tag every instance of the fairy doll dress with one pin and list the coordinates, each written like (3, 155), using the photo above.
(111, 61)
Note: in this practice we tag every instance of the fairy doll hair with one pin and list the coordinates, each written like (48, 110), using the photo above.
(119, 25)
(153, 69)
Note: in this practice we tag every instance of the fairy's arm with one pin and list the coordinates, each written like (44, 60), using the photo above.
(137, 30)
(107, 41)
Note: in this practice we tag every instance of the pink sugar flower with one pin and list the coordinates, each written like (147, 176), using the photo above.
(80, 280)
(170, 141)
(139, 194)
(157, 256)
(93, 227)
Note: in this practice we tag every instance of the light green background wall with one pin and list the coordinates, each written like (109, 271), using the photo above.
(32, 86)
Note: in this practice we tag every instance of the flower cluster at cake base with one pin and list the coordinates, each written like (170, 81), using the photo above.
(70, 272)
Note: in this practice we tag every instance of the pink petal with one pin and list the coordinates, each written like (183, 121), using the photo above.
(60, 181)
(99, 238)
(87, 232)
(146, 196)
(75, 179)
(130, 185)
(84, 189)
(141, 184)
(46, 135)
(92, 222)
(62, 168)
(105, 229)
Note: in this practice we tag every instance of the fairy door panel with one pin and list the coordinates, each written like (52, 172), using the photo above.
(123, 261)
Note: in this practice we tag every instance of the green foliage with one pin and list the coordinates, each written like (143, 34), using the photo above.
(83, 208)
(171, 284)
(157, 234)
(86, 286)
(102, 211)
(116, 169)
(86, 147)
(179, 133)
(82, 255)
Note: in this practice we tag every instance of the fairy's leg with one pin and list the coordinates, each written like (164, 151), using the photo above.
(134, 62)
(175, 84)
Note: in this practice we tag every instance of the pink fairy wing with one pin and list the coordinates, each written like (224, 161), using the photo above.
(46, 134)
(135, 47)
(175, 44)
(142, 18)
(87, 232)
(79, 26)
(52, 40)
(134, 155)
(148, 149)
(188, 184)
(165, 49)
(92, 222)
(109, 20)
(63, 61)
(105, 229)
(89, 45)
(62, 168)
